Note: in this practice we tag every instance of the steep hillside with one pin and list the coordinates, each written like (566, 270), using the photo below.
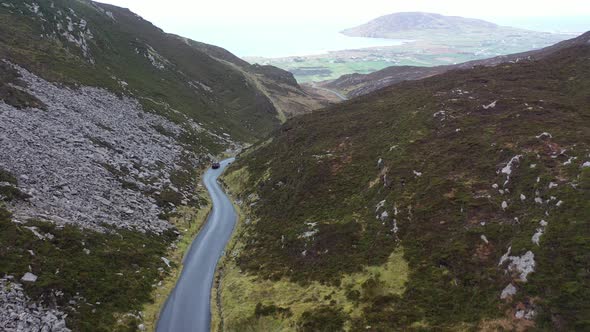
(358, 84)
(458, 202)
(105, 124)
(86, 43)
(278, 85)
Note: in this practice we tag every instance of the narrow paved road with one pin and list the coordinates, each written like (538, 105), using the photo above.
(188, 306)
(336, 93)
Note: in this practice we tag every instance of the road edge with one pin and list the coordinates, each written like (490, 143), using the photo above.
(151, 311)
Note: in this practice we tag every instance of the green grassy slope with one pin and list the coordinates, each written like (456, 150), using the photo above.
(435, 156)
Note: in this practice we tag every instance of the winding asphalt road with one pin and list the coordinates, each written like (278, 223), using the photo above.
(336, 93)
(188, 306)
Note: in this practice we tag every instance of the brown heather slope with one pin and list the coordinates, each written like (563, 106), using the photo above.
(481, 177)
(359, 84)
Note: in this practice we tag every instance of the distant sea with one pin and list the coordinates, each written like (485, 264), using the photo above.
(282, 39)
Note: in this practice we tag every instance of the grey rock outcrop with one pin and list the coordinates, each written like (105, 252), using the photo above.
(19, 314)
(91, 158)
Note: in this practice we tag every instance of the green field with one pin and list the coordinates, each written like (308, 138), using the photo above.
(424, 50)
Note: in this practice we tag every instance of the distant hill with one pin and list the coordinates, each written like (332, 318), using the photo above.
(354, 85)
(390, 26)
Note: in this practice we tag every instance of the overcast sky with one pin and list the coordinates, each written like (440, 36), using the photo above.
(240, 24)
(273, 10)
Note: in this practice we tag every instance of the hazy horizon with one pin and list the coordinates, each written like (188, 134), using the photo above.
(259, 28)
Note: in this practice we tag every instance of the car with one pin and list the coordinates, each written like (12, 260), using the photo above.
(215, 165)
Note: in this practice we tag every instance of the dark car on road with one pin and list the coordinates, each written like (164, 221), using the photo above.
(215, 165)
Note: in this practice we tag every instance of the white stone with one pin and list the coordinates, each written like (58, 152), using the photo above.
(166, 261)
(539, 232)
(29, 277)
(491, 105)
(311, 232)
(508, 168)
(569, 161)
(524, 265)
(484, 239)
(395, 229)
(510, 290)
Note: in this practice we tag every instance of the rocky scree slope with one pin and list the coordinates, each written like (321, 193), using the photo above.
(481, 177)
(93, 159)
(105, 123)
(21, 315)
(355, 85)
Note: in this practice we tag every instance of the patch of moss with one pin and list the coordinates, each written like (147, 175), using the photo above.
(6, 176)
(322, 319)
(12, 95)
(271, 310)
(10, 192)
